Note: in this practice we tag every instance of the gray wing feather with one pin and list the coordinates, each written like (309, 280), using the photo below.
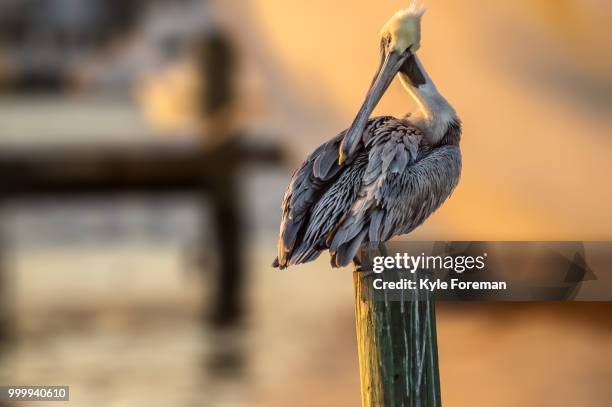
(388, 155)
(305, 188)
(393, 184)
(419, 191)
(305, 206)
(329, 210)
(396, 198)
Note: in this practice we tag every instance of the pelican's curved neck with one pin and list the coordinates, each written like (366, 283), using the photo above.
(435, 113)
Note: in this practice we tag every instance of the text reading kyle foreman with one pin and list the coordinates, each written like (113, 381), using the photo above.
(403, 262)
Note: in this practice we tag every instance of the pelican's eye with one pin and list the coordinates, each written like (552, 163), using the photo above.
(386, 41)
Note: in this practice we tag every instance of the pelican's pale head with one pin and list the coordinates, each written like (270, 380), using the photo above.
(403, 30)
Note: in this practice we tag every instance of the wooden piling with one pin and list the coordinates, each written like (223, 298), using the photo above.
(398, 355)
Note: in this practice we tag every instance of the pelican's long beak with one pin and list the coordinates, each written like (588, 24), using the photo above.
(390, 64)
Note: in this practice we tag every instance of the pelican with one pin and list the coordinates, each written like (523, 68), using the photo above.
(383, 176)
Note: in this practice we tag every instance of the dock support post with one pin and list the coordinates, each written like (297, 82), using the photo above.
(397, 345)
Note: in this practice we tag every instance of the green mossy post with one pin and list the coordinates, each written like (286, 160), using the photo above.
(398, 354)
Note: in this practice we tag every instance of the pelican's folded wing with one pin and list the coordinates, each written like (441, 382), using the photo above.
(392, 147)
(307, 185)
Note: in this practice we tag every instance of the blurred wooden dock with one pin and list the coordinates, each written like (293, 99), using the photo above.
(69, 172)
(156, 168)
